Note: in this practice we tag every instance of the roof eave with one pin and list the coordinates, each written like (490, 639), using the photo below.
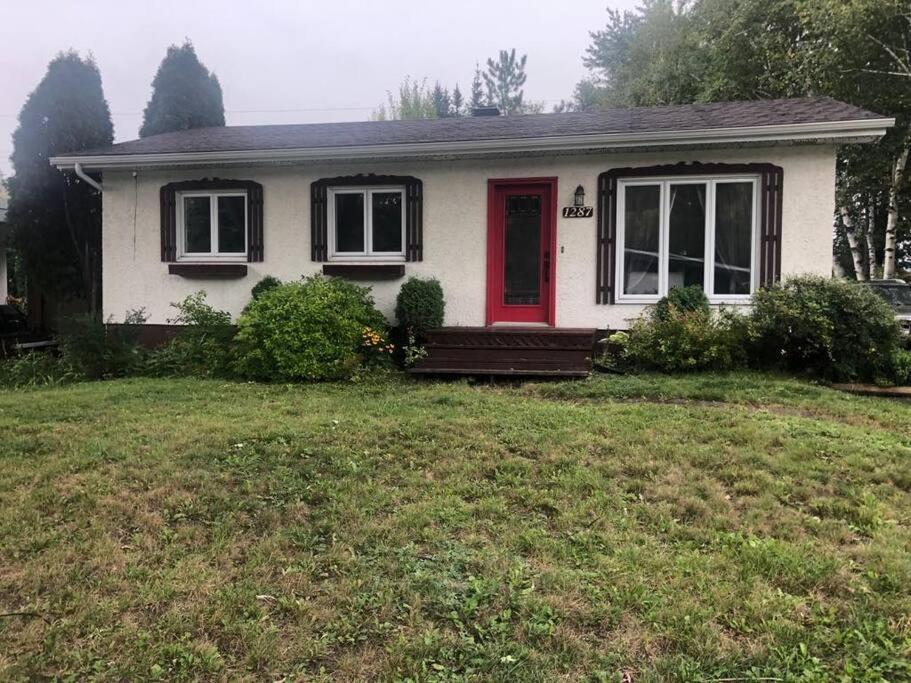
(854, 131)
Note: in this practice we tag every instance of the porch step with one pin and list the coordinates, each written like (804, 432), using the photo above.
(529, 351)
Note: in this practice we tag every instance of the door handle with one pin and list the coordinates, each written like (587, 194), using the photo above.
(547, 266)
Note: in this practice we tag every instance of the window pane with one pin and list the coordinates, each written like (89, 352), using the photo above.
(197, 221)
(641, 221)
(387, 221)
(349, 222)
(522, 269)
(231, 225)
(733, 243)
(686, 238)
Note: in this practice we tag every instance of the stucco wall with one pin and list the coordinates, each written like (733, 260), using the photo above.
(455, 229)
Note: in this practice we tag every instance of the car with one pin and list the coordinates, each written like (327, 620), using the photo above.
(897, 293)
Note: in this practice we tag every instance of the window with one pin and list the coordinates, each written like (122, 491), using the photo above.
(367, 223)
(684, 231)
(212, 225)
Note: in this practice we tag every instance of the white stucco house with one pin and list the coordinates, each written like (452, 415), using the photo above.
(546, 221)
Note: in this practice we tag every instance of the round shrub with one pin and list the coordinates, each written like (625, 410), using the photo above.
(420, 306)
(690, 298)
(267, 283)
(837, 330)
(308, 330)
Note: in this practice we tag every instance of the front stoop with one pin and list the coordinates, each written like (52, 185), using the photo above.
(531, 351)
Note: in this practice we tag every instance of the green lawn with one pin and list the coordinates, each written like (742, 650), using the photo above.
(700, 528)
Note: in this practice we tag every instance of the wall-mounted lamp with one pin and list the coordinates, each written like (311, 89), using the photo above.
(579, 196)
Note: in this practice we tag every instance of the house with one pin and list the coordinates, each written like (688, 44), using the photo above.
(547, 223)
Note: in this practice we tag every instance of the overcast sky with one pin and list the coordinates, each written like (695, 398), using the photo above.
(287, 61)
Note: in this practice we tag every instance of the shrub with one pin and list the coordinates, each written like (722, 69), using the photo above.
(420, 306)
(690, 298)
(266, 284)
(678, 340)
(94, 350)
(901, 367)
(36, 369)
(201, 348)
(837, 330)
(308, 330)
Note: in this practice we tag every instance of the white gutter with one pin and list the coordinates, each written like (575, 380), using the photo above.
(77, 168)
(862, 129)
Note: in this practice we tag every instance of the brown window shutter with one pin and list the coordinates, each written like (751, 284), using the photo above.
(414, 211)
(168, 224)
(607, 239)
(319, 234)
(772, 184)
(255, 246)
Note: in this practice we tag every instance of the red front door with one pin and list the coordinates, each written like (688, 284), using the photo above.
(521, 216)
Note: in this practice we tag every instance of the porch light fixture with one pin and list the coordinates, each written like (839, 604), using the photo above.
(579, 197)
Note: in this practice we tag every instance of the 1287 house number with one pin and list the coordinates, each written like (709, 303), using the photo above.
(578, 211)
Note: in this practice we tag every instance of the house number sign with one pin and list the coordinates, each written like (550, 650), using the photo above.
(578, 211)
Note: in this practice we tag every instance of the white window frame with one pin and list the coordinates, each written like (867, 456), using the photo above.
(214, 254)
(664, 182)
(367, 254)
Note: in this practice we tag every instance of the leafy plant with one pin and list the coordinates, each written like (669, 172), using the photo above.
(36, 369)
(420, 306)
(94, 350)
(690, 298)
(203, 345)
(307, 330)
(679, 340)
(269, 282)
(836, 330)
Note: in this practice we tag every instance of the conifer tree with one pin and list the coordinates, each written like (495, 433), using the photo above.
(184, 95)
(55, 217)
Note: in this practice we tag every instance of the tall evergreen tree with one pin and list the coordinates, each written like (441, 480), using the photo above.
(184, 95)
(458, 101)
(56, 218)
(442, 102)
(477, 90)
(504, 79)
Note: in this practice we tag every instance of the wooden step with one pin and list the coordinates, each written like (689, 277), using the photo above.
(542, 351)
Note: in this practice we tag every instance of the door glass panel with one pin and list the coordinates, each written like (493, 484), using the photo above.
(231, 225)
(733, 237)
(387, 221)
(641, 221)
(522, 262)
(686, 239)
(349, 222)
(197, 221)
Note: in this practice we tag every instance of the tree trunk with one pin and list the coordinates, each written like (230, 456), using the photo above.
(898, 174)
(871, 248)
(853, 242)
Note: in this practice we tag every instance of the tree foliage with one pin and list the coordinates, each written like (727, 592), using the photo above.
(55, 217)
(504, 79)
(859, 51)
(414, 100)
(185, 95)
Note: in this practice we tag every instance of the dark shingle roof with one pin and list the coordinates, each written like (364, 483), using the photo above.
(634, 120)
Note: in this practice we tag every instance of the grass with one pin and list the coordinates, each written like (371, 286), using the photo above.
(697, 528)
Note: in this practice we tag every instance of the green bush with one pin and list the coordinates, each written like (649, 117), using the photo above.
(94, 350)
(202, 347)
(836, 330)
(315, 329)
(901, 367)
(681, 340)
(420, 306)
(690, 298)
(36, 369)
(266, 284)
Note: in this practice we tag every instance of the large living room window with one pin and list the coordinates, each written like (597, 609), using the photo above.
(687, 231)
(366, 223)
(212, 225)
